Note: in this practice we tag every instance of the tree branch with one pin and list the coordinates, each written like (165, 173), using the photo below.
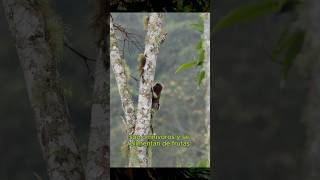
(39, 63)
(78, 52)
(138, 124)
(155, 36)
(98, 147)
(85, 58)
(98, 163)
(118, 67)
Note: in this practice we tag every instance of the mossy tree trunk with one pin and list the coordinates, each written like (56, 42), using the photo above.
(141, 156)
(30, 26)
(138, 123)
(118, 67)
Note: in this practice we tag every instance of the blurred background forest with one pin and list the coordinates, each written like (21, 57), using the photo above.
(182, 103)
(259, 124)
(20, 153)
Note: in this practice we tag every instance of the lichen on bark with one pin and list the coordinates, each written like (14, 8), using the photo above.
(138, 122)
(28, 25)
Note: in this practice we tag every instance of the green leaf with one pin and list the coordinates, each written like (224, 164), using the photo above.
(186, 66)
(203, 163)
(294, 47)
(197, 26)
(67, 91)
(201, 56)
(288, 47)
(200, 77)
(179, 164)
(281, 44)
(289, 5)
(199, 45)
(246, 13)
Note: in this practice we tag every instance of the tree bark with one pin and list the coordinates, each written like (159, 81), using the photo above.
(140, 123)
(98, 147)
(140, 156)
(30, 28)
(206, 41)
(98, 162)
(118, 67)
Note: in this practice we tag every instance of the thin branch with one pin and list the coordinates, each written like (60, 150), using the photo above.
(118, 67)
(129, 37)
(85, 58)
(79, 53)
(134, 78)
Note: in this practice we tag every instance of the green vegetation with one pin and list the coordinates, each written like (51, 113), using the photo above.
(196, 62)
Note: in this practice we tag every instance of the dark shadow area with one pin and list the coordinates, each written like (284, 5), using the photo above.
(259, 127)
(160, 6)
(160, 173)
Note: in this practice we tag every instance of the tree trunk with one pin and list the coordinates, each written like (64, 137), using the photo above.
(98, 162)
(30, 26)
(140, 123)
(118, 67)
(206, 41)
(141, 156)
(98, 147)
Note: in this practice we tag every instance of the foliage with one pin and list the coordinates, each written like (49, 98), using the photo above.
(197, 26)
(289, 44)
(261, 135)
(187, 65)
(196, 62)
(199, 173)
(192, 5)
(252, 11)
(200, 76)
(246, 13)
(203, 163)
